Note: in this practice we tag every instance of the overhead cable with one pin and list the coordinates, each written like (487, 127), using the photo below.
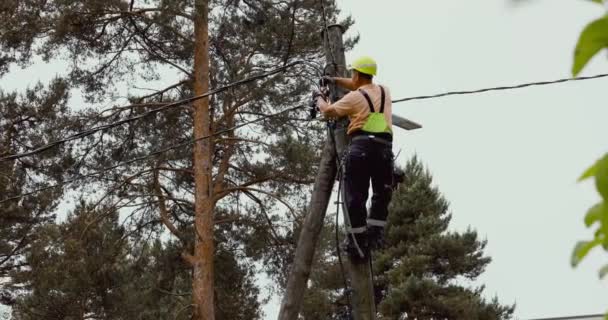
(518, 86)
(154, 153)
(91, 131)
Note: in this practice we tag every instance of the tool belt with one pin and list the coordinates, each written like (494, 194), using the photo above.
(382, 138)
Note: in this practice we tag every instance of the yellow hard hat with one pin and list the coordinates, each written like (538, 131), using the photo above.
(365, 65)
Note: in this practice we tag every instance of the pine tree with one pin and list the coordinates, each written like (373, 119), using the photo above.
(74, 269)
(39, 114)
(424, 268)
(91, 267)
(113, 45)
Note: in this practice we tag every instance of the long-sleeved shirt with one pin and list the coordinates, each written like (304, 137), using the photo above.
(356, 107)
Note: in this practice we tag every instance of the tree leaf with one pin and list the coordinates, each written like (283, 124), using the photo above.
(590, 172)
(581, 250)
(593, 39)
(595, 214)
(603, 230)
(603, 271)
(601, 177)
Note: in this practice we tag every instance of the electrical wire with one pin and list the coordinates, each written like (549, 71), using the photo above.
(154, 153)
(518, 86)
(91, 131)
(340, 173)
(83, 134)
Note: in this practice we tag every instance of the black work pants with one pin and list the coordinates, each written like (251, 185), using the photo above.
(366, 161)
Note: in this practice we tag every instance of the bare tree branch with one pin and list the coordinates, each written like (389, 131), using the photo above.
(230, 140)
(160, 92)
(164, 213)
(270, 194)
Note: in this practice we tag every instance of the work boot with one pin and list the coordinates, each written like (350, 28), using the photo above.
(358, 251)
(375, 236)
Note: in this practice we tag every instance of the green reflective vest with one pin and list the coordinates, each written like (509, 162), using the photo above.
(376, 122)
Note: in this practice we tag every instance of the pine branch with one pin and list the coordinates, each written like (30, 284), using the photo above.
(164, 213)
(162, 91)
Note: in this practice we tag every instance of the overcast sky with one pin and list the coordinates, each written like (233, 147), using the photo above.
(508, 161)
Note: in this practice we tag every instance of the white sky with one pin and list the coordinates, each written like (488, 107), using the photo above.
(508, 161)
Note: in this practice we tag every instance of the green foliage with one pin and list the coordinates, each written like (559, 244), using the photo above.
(601, 177)
(325, 299)
(596, 215)
(421, 270)
(593, 39)
(38, 114)
(111, 46)
(590, 172)
(603, 271)
(90, 265)
(84, 267)
(582, 248)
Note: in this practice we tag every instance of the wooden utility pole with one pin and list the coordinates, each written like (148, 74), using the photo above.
(202, 261)
(309, 235)
(359, 273)
(336, 143)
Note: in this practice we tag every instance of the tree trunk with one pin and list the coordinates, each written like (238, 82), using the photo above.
(313, 223)
(202, 277)
(335, 145)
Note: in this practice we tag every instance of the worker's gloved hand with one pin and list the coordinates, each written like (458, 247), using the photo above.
(326, 80)
(325, 92)
(319, 93)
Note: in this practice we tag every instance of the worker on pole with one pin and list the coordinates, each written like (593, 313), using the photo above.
(369, 156)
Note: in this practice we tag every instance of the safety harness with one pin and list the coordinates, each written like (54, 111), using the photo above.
(375, 128)
(375, 123)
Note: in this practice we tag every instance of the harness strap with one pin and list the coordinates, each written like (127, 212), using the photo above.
(369, 100)
(383, 97)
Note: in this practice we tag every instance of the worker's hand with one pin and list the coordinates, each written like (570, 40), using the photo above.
(325, 92)
(319, 94)
(327, 80)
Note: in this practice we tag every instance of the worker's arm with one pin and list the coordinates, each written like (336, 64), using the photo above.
(328, 110)
(346, 83)
(340, 108)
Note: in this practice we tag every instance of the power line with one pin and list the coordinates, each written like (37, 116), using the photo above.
(154, 153)
(215, 91)
(91, 131)
(519, 86)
